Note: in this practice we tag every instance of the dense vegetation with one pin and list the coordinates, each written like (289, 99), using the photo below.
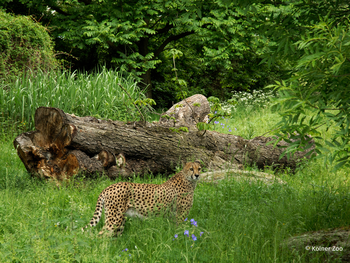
(25, 46)
(215, 43)
(178, 48)
(97, 94)
(240, 221)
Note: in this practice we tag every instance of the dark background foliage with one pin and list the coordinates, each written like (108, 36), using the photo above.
(181, 47)
(219, 42)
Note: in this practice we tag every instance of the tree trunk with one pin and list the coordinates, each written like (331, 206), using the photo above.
(147, 83)
(63, 145)
(146, 77)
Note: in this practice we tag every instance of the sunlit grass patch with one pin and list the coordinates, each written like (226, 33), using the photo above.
(250, 116)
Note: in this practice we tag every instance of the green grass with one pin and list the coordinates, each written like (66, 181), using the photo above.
(82, 94)
(240, 221)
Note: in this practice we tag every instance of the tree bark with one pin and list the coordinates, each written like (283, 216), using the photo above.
(146, 77)
(63, 145)
(147, 83)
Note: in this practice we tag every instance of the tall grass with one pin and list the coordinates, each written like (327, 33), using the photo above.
(82, 94)
(240, 221)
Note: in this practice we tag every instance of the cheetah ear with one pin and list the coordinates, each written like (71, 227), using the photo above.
(197, 161)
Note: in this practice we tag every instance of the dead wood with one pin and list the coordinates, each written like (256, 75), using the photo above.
(63, 145)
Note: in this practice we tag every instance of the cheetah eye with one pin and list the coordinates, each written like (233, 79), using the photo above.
(199, 169)
(191, 169)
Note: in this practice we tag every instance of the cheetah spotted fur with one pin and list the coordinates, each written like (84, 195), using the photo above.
(132, 199)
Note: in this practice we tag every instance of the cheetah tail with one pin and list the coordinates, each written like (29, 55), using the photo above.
(98, 212)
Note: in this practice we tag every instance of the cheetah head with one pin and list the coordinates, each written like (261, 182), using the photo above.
(192, 170)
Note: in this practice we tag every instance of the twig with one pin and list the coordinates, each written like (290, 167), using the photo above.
(134, 103)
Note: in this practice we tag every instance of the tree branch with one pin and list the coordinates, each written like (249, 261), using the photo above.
(169, 39)
(339, 76)
(59, 10)
(164, 29)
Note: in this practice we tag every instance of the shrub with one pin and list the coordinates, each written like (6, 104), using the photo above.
(24, 46)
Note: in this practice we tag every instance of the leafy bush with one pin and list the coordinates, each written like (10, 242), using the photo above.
(24, 45)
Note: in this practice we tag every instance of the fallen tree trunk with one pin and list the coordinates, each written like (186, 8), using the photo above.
(63, 145)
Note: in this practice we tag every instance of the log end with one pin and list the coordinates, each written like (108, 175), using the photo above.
(45, 163)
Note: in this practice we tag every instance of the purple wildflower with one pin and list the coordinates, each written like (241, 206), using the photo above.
(229, 130)
(185, 219)
(216, 122)
(201, 233)
(187, 233)
(176, 236)
(194, 237)
(126, 249)
(215, 112)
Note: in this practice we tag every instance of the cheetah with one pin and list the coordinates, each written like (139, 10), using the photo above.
(139, 200)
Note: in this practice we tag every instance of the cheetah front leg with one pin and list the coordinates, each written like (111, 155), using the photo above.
(180, 217)
(183, 206)
(181, 214)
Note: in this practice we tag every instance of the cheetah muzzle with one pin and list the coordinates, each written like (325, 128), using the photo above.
(140, 200)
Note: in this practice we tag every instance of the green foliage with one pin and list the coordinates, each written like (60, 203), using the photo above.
(216, 109)
(224, 57)
(202, 126)
(25, 46)
(215, 43)
(184, 129)
(178, 106)
(315, 41)
(178, 129)
(96, 94)
(145, 102)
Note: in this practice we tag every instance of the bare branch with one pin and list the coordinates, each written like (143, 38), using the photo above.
(134, 103)
(169, 39)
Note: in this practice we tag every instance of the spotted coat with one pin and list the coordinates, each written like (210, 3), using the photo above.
(140, 200)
